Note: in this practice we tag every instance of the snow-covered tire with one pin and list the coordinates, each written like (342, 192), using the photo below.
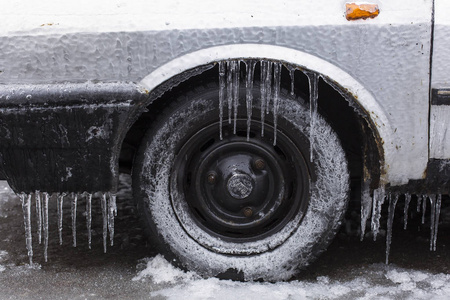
(204, 199)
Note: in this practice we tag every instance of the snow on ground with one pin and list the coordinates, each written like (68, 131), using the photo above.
(376, 281)
(3, 256)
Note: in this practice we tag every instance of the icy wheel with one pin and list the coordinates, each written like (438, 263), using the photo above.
(238, 206)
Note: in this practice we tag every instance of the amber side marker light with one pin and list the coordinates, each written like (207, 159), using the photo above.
(355, 11)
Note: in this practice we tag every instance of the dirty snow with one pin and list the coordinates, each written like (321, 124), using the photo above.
(376, 281)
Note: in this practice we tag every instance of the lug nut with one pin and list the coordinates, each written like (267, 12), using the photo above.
(260, 164)
(248, 212)
(212, 177)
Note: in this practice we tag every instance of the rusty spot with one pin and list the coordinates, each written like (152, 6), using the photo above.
(355, 11)
(49, 24)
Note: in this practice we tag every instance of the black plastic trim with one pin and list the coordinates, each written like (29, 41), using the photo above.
(65, 137)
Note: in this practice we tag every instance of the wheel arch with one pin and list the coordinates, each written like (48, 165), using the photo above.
(367, 112)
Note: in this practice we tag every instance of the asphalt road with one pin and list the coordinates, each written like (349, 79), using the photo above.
(83, 273)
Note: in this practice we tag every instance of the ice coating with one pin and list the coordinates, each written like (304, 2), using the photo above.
(263, 76)
(39, 215)
(378, 200)
(435, 208)
(59, 204)
(314, 95)
(276, 95)
(270, 83)
(230, 71)
(45, 209)
(112, 212)
(41, 199)
(366, 207)
(419, 203)
(74, 218)
(105, 220)
(26, 207)
(391, 212)
(250, 69)
(89, 217)
(405, 211)
(222, 86)
(236, 82)
(424, 207)
(435, 201)
(292, 76)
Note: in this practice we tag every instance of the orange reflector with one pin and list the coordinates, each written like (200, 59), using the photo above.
(355, 11)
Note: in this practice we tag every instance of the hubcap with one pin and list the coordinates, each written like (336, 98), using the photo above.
(240, 186)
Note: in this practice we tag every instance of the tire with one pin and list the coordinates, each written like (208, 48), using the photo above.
(234, 208)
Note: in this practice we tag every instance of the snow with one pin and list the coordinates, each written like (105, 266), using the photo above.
(376, 281)
(3, 256)
(161, 271)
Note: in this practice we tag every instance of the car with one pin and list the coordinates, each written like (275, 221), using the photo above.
(245, 125)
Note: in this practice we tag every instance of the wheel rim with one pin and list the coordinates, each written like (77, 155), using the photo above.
(237, 190)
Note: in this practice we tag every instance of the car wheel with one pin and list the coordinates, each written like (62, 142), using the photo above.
(240, 207)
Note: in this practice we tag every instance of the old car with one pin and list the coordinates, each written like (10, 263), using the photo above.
(246, 125)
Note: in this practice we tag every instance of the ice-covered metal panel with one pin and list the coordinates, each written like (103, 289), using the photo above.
(388, 55)
(440, 114)
(49, 16)
(441, 46)
(439, 131)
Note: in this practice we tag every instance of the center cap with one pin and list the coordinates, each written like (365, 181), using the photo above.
(240, 186)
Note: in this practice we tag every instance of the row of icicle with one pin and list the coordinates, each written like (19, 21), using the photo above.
(109, 211)
(270, 83)
(375, 204)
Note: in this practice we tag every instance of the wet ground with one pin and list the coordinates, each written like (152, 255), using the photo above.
(83, 273)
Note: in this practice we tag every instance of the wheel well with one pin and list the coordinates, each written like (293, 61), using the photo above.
(340, 110)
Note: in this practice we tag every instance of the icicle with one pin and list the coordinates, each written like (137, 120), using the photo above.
(105, 221)
(112, 211)
(268, 85)
(45, 209)
(366, 206)
(292, 74)
(74, 218)
(378, 200)
(89, 217)
(419, 203)
(230, 70)
(222, 85)
(263, 93)
(391, 213)
(313, 97)
(424, 208)
(249, 94)
(59, 204)
(406, 209)
(26, 208)
(432, 217)
(276, 96)
(37, 197)
(436, 220)
(236, 79)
